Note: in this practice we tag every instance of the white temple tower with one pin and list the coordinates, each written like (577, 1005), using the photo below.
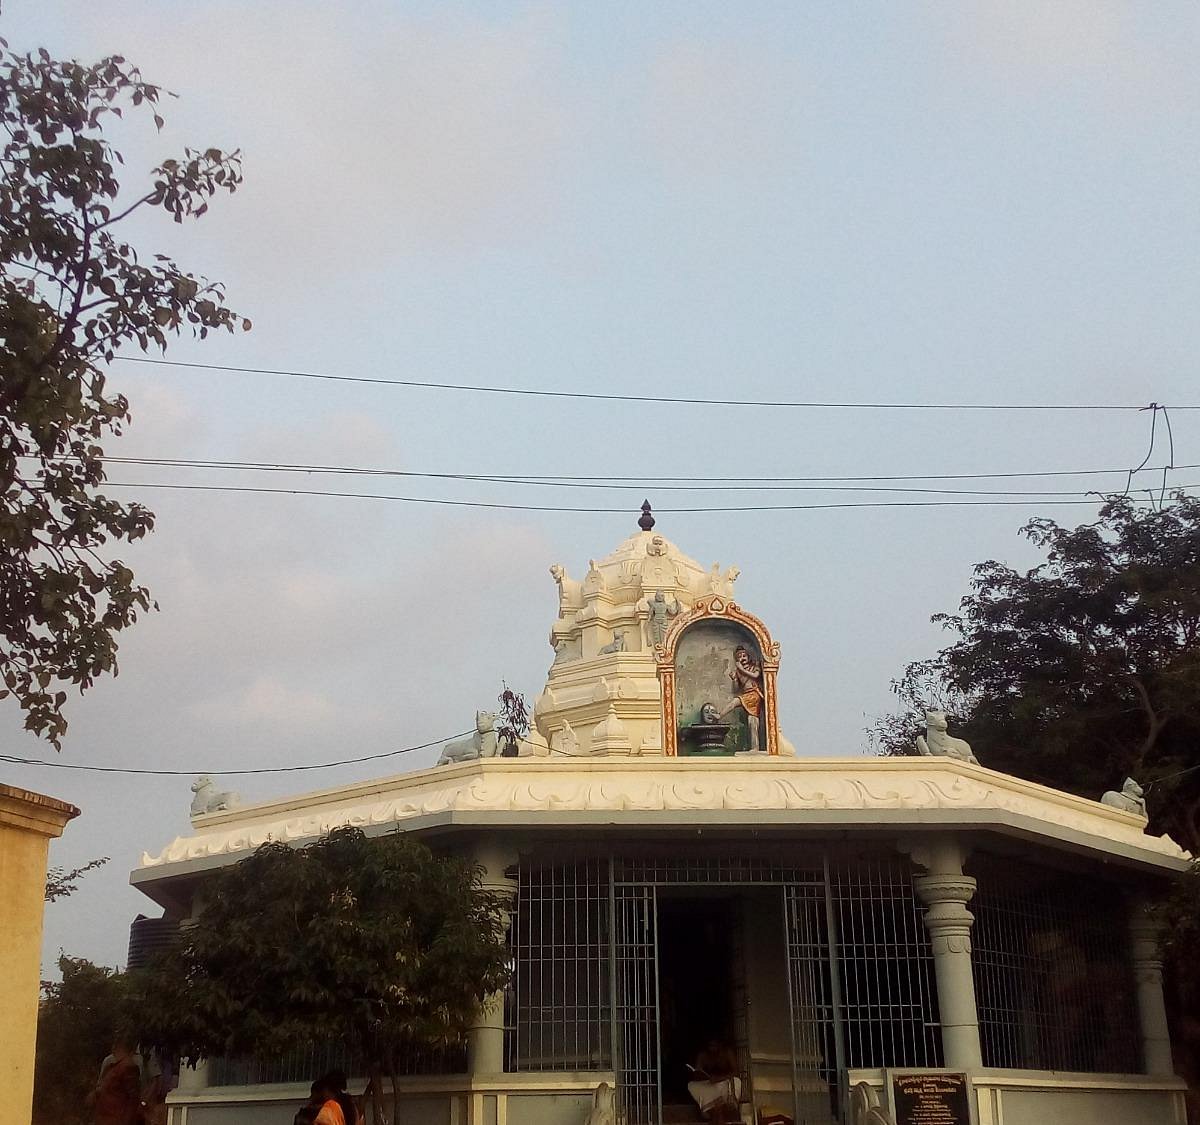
(604, 693)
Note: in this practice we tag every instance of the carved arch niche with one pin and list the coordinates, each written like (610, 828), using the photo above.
(693, 663)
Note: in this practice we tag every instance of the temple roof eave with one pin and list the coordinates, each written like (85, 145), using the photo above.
(798, 794)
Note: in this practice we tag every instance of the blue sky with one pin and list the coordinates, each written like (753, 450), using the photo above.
(977, 202)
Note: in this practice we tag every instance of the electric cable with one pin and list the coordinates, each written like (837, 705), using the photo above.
(594, 396)
(593, 510)
(15, 760)
(664, 484)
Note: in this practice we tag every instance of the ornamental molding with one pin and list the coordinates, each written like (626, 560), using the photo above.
(964, 794)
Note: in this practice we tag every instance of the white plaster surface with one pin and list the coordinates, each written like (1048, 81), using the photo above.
(604, 670)
(855, 791)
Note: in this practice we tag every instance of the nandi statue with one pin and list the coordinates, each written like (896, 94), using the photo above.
(1132, 798)
(617, 644)
(936, 743)
(481, 744)
(208, 800)
(604, 1106)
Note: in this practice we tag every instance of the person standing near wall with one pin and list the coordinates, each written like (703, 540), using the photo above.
(118, 1095)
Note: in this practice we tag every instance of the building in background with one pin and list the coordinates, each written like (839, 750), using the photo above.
(28, 822)
(680, 874)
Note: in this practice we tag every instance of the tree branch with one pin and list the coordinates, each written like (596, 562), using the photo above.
(128, 211)
(1155, 721)
(72, 317)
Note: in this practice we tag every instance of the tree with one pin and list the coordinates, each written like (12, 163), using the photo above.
(61, 883)
(72, 293)
(376, 942)
(1084, 669)
(514, 722)
(77, 1021)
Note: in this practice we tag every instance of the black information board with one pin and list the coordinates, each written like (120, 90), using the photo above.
(931, 1099)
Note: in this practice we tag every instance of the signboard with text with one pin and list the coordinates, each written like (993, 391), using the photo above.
(931, 1099)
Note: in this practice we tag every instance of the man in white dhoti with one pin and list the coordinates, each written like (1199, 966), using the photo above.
(717, 1089)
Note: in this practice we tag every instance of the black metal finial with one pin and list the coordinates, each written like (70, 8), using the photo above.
(647, 520)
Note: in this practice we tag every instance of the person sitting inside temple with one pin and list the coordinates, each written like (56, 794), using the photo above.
(716, 1087)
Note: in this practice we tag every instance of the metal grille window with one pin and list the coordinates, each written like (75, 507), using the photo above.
(560, 1000)
(889, 1000)
(714, 868)
(1053, 977)
(305, 1064)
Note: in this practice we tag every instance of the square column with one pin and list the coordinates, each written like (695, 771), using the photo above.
(28, 822)
(946, 890)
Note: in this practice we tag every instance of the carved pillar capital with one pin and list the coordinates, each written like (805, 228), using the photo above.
(947, 918)
(1146, 927)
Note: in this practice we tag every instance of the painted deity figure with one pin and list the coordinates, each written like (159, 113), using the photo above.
(662, 613)
(746, 677)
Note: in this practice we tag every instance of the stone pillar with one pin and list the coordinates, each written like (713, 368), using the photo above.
(28, 822)
(945, 890)
(1145, 931)
(485, 1041)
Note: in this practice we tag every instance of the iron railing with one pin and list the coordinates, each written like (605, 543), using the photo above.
(1053, 976)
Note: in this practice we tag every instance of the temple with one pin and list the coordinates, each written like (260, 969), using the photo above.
(860, 932)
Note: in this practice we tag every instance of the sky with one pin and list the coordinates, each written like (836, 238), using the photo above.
(987, 202)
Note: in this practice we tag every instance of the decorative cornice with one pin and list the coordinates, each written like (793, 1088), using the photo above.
(716, 606)
(34, 812)
(886, 790)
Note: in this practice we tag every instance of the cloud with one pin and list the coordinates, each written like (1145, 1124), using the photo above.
(1113, 51)
(267, 701)
(714, 108)
(442, 131)
(342, 437)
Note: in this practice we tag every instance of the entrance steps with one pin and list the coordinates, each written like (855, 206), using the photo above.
(685, 1114)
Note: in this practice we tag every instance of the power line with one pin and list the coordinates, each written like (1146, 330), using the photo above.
(673, 399)
(12, 759)
(591, 509)
(633, 483)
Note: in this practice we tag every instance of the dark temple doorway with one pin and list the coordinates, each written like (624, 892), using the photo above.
(696, 951)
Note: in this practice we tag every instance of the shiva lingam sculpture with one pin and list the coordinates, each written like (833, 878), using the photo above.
(709, 733)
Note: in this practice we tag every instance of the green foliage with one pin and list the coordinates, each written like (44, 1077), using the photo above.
(78, 1019)
(73, 292)
(378, 943)
(1181, 914)
(1084, 669)
(61, 883)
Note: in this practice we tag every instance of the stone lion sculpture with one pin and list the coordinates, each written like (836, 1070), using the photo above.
(206, 799)
(604, 1106)
(570, 590)
(480, 744)
(1132, 798)
(936, 743)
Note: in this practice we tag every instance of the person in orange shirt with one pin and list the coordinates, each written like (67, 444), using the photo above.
(335, 1080)
(330, 1112)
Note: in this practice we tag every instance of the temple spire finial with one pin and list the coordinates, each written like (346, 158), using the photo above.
(646, 522)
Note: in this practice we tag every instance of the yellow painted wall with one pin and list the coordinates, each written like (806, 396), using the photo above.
(27, 823)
